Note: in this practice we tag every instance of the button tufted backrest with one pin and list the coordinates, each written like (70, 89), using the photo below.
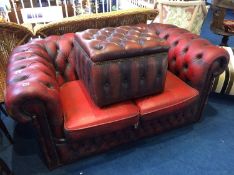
(190, 57)
(56, 50)
(120, 42)
(60, 49)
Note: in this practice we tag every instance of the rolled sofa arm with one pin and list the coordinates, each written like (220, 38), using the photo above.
(32, 88)
(195, 60)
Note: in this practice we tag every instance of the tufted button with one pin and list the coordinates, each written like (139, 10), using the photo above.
(199, 56)
(26, 49)
(106, 84)
(49, 85)
(185, 67)
(88, 37)
(125, 83)
(177, 73)
(157, 32)
(166, 36)
(98, 47)
(175, 43)
(21, 58)
(173, 60)
(20, 67)
(185, 50)
(106, 87)
(159, 73)
(99, 37)
(21, 78)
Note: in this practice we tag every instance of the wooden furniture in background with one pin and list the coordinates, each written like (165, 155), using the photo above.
(219, 24)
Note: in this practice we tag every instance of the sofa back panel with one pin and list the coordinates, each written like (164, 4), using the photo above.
(190, 57)
(61, 54)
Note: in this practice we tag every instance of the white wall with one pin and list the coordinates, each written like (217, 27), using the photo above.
(5, 3)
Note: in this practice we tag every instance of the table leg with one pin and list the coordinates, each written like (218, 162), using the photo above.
(3, 110)
(224, 41)
(4, 129)
(4, 170)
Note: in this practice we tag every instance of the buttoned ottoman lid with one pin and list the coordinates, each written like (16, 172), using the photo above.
(115, 43)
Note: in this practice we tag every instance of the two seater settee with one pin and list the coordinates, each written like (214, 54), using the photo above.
(43, 88)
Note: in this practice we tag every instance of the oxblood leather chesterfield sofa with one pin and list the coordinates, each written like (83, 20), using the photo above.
(43, 88)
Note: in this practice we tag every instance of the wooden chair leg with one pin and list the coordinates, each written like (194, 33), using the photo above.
(3, 127)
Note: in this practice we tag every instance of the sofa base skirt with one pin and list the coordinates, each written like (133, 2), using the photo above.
(74, 150)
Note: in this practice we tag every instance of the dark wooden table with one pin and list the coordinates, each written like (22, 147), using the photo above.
(227, 4)
(219, 24)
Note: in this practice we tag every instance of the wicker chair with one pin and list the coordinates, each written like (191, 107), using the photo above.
(100, 20)
(11, 35)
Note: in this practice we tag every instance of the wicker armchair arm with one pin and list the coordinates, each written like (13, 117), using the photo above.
(97, 21)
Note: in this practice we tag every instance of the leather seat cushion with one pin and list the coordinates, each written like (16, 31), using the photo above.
(177, 94)
(83, 119)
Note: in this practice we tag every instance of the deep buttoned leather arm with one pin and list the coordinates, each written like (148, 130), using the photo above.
(32, 88)
(35, 72)
(193, 59)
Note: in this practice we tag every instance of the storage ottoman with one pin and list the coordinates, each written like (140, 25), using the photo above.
(122, 63)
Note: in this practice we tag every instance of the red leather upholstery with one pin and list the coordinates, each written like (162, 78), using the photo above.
(175, 96)
(83, 119)
(37, 70)
(120, 42)
(191, 58)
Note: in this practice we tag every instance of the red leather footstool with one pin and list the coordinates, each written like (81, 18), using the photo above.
(122, 63)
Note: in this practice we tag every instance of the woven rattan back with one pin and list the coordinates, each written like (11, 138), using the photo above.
(11, 35)
(100, 20)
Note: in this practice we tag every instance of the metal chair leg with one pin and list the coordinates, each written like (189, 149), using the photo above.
(3, 110)
(3, 127)
(4, 169)
(224, 41)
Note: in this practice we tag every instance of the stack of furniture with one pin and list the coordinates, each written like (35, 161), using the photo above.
(13, 35)
(88, 92)
(219, 24)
